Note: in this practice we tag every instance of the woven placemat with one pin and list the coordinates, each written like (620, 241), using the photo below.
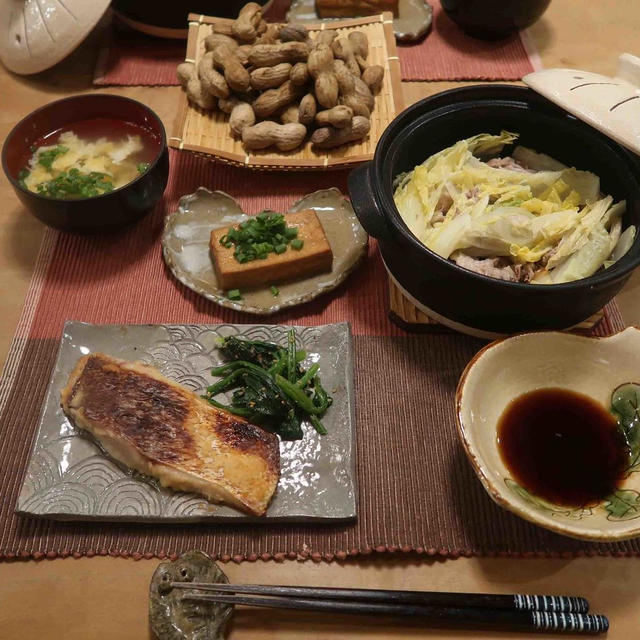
(417, 491)
(130, 58)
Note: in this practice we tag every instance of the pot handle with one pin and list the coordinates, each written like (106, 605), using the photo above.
(364, 204)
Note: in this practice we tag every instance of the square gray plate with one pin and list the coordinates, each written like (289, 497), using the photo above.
(69, 478)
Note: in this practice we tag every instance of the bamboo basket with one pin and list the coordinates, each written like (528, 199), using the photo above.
(207, 133)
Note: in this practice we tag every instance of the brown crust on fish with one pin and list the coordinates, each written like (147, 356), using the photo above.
(160, 428)
(137, 407)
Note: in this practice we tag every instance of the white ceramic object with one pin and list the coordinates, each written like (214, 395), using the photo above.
(506, 369)
(610, 104)
(36, 34)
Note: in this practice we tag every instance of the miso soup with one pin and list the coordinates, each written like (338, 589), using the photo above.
(88, 158)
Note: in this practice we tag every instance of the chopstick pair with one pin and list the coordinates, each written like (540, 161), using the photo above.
(508, 612)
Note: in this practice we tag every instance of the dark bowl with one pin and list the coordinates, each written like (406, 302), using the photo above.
(115, 209)
(456, 296)
(169, 19)
(494, 19)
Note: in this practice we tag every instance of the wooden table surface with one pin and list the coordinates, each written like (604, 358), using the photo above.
(107, 597)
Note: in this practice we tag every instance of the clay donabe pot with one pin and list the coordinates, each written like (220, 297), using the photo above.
(458, 297)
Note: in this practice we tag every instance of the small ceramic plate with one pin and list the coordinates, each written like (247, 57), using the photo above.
(185, 247)
(506, 369)
(413, 20)
(69, 478)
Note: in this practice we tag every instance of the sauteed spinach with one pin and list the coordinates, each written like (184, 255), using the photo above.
(269, 386)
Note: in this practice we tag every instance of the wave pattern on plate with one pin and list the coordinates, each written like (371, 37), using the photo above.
(188, 505)
(96, 472)
(129, 498)
(44, 471)
(64, 498)
(96, 486)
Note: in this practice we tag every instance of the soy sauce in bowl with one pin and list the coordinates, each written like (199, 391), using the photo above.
(563, 447)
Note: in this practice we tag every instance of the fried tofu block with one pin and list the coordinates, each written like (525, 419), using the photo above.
(354, 8)
(314, 257)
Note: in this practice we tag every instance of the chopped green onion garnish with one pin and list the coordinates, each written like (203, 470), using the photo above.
(46, 158)
(234, 294)
(142, 167)
(74, 184)
(260, 236)
(274, 290)
(22, 176)
(297, 244)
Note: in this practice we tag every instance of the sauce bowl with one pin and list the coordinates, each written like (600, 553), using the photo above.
(110, 210)
(507, 369)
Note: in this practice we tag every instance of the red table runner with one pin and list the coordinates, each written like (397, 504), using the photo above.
(417, 492)
(445, 54)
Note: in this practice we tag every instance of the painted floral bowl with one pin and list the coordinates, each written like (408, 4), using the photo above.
(506, 369)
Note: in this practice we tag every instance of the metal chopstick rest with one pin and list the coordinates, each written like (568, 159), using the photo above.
(505, 620)
(516, 602)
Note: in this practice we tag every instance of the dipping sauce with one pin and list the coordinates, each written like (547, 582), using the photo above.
(88, 158)
(562, 446)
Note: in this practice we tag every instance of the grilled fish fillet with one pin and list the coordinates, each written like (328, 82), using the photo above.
(163, 430)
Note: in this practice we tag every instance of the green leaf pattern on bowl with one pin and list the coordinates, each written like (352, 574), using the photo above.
(622, 504)
(539, 503)
(625, 406)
